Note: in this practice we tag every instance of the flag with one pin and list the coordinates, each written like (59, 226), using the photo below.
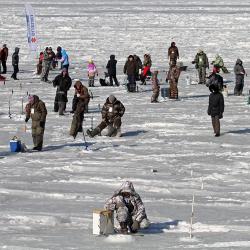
(31, 27)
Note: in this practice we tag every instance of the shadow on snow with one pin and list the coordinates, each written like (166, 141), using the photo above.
(156, 228)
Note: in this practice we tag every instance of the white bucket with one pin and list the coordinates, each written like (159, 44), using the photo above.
(103, 222)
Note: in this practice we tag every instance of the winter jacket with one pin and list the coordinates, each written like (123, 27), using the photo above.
(82, 92)
(216, 104)
(201, 60)
(65, 58)
(4, 52)
(130, 67)
(112, 110)
(111, 66)
(147, 61)
(15, 57)
(117, 200)
(173, 74)
(41, 58)
(92, 69)
(239, 71)
(138, 62)
(218, 62)
(155, 85)
(37, 112)
(173, 53)
(63, 84)
(215, 79)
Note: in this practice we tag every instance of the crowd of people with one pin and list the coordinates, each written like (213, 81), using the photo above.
(126, 202)
(136, 70)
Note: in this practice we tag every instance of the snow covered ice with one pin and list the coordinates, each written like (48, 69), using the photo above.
(47, 198)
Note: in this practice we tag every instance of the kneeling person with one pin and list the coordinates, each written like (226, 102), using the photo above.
(112, 111)
(130, 210)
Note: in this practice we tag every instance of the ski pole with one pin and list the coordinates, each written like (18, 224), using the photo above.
(22, 107)
(86, 146)
(9, 109)
(92, 122)
(191, 219)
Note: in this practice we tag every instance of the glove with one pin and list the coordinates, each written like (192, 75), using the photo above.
(135, 226)
(26, 119)
(42, 124)
(220, 116)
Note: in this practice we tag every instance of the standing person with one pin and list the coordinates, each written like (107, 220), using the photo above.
(130, 69)
(59, 56)
(65, 59)
(138, 67)
(111, 67)
(92, 72)
(215, 108)
(130, 210)
(155, 87)
(173, 77)
(173, 54)
(147, 63)
(15, 62)
(81, 102)
(215, 79)
(47, 59)
(63, 83)
(201, 63)
(4, 52)
(239, 72)
(53, 59)
(36, 110)
(39, 66)
(80, 88)
(112, 112)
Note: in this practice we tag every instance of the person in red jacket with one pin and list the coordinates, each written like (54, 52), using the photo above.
(39, 66)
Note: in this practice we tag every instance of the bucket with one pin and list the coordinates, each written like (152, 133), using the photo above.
(15, 145)
(103, 222)
(165, 92)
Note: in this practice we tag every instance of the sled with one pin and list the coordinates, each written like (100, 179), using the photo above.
(105, 81)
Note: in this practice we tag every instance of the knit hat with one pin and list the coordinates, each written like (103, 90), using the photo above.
(112, 99)
(64, 70)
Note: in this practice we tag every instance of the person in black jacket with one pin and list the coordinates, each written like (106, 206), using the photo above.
(215, 79)
(15, 62)
(63, 83)
(239, 72)
(130, 68)
(215, 108)
(111, 67)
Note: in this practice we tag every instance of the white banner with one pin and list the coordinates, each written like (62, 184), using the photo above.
(31, 27)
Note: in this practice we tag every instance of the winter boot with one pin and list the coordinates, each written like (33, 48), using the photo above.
(111, 131)
(119, 132)
(93, 133)
(124, 228)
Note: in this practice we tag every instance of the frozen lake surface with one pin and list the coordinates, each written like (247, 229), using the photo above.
(47, 198)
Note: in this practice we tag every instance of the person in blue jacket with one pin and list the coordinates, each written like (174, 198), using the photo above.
(65, 59)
